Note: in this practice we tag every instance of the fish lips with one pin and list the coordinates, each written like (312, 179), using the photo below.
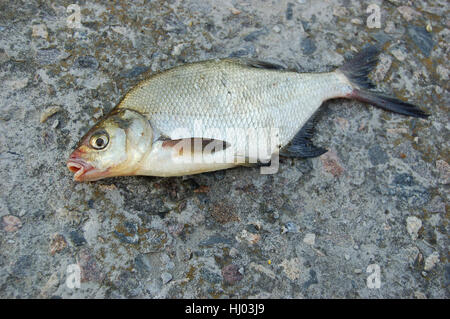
(83, 171)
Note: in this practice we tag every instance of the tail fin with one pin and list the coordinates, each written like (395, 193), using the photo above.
(357, 70)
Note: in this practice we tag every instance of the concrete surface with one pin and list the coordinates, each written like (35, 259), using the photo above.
(376, 204)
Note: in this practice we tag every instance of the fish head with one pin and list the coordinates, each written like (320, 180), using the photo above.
(115, 146)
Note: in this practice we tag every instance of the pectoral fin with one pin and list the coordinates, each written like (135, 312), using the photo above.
(301, 145)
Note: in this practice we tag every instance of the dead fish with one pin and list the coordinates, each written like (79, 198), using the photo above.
(164, 121)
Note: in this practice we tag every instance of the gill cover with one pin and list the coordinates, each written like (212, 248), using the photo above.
(115, 146)
(139, 134)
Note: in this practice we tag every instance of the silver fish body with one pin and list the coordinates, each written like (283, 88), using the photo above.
(231, 104)
(220, 95)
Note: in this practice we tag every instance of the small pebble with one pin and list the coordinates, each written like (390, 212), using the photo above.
(48, 112)
(235, 11)
(347, 257)
(431, 261)
(39, 31)
(358, 271)
(408, 13)
(340, 11)
(17, 84)
(398, 29)
(120, 30)
(11, 223)
(310, 239)
(444, 171)
(419, 295)
(399, 55)
(166, 277)
(233, 252)
(276, 29)
(383, 67)
(178, 49)
(400, 130)
(263, 270)
(292, 268)
(50, 286)
(290, 227)
(249, 237)
(356, 21)
(57, 244)
(443, 72)
(55, 124)
(231, 274)
(331, 163)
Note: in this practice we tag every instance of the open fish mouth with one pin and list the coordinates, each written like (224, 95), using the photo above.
(83, 171)
(80, 168)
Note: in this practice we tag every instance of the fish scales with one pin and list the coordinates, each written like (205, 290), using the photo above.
(227, 94)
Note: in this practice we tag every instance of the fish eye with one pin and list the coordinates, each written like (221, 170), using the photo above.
(99, 141)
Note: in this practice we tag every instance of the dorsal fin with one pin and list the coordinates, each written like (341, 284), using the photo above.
(262, 64)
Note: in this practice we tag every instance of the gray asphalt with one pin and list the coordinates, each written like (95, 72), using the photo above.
(368, 219)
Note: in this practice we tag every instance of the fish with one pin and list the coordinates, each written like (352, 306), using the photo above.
(222, 113)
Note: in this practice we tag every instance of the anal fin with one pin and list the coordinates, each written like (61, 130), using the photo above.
(301, 145)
